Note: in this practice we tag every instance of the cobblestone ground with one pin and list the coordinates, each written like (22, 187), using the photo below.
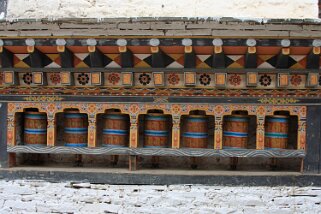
(43, 197)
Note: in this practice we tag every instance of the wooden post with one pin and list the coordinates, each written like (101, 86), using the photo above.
(176, 131)
(132, 163)
(312, 160)
(218, 136)
(51, 130)
(301, 141)
(133, 141)
(133, 132)
(260, 120)
(4, 159)
(92, 131)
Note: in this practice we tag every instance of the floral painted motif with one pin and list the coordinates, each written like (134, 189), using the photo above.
(265, 80)
(173, 79)
(27, 78)
(235, 79)
(205, 79)
(83, 78)
(113, 78)
(296, 80)
(144, 79)
(55, 78)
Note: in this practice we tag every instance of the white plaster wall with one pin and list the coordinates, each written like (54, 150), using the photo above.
(161, 8)
(43, 197)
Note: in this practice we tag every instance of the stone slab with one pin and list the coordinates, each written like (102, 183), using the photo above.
(162, 177)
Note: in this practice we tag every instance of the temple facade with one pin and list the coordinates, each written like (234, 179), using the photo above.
(162, 87)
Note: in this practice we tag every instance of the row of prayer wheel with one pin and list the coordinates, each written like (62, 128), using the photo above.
(156, 130)
(236, 129)
(115, 129)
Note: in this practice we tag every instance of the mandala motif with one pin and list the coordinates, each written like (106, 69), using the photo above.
(235, 79)
(27, 78)
(83, 78)
(265, 80)
(113, 78)
(205, 79)
(296, 80)
(55, 78)
(173, 79)
(144, 79)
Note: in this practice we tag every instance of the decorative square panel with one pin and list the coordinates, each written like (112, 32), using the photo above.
(144, 79)
(173, 79)
(251, 79)
(65, 78)
(82, 79)
(313, 80)
(190, 78)
(158, 78)
(9, 77)
(205, 79)
(37, 78)
(96, 78)
(112, 79)
(235, 80)
(283, 80)
(220, 79)
(127, 78)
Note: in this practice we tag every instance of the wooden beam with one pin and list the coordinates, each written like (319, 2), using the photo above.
(218, 57)
(36, 57)
(6, 58)
(313, 59)
(126, 57)
(189, 57)
(97, 58)
(283, 58)
(66, 57)
(251, 58)
(157, 58)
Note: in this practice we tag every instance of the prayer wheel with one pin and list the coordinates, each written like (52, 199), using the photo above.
(196, 132)
(235, 131)
(35, 128)
(156, 131)
(276, 132)
(115, 130)
(75, 129)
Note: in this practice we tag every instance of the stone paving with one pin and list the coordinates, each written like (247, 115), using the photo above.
(20, 196)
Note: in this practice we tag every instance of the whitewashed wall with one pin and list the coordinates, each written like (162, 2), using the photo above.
(161, 8)
(42, 197)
